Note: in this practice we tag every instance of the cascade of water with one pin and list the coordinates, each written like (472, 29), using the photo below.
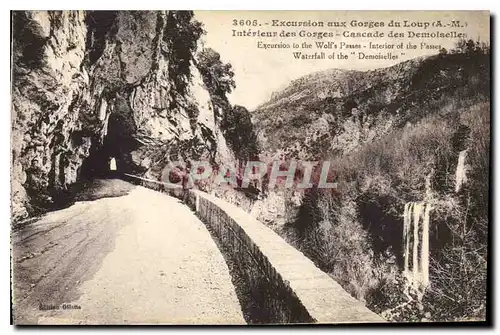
(461, 173)
(103, 109)
(416, 220)
(417, 208)
(406, 229)
(424, 255)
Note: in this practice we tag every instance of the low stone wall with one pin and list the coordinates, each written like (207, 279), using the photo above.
(285, 286)
(170, 189)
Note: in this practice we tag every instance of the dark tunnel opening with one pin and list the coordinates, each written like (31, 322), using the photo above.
(118, 144)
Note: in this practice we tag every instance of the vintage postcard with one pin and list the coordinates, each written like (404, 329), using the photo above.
(249, 167)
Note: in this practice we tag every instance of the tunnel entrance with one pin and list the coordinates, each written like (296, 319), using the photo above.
(112, 158)
(96, 165)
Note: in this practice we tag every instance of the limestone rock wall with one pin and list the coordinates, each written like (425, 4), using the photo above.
(74, 71)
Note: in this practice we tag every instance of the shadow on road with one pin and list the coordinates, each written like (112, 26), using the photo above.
(102, 188)
(86, 190)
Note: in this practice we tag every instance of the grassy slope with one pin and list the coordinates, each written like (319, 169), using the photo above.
(307, 120)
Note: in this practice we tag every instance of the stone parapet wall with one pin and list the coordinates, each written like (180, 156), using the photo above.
(286, 286)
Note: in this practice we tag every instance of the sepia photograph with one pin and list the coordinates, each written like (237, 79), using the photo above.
(177, 167)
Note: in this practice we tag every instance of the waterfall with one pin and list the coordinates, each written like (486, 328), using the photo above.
(103, 109)
(461, 173)
(424, 254)
(417, 208)
(416, 243)
(406, 229)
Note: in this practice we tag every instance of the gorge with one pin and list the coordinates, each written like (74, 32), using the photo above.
(404, 230)
(87, 86)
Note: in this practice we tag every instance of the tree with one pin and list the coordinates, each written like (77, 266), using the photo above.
(181, 36)
(235, 122)
(471, 47)
(239, 132)
(217, 77)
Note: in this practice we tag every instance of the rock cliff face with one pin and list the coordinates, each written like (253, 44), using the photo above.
(87, 86)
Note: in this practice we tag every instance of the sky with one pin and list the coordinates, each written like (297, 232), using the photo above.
(260, 72)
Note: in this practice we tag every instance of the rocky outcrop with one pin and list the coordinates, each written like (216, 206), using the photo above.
(51, 126)
(90, 85)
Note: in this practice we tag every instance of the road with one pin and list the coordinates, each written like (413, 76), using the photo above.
(138, 257)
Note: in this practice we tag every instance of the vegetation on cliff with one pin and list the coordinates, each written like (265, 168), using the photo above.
(235, 122)
(393, 136)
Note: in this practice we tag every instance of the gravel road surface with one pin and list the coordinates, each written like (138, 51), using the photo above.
(133, 256)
